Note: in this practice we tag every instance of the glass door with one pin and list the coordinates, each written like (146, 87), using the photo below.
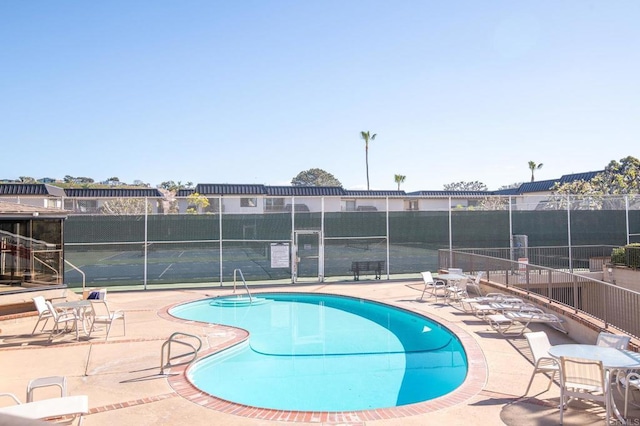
(309, 257)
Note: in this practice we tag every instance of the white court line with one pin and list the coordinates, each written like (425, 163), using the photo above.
(165, 270)
(181, 253)
(109, 257)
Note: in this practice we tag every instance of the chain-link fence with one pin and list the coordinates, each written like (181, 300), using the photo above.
(322, 236)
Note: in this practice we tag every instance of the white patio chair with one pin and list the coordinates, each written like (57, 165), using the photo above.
(42, 382)
(432, 285)
(101, 314)
(473, 286)
(43, 312)
(584, 379)
(630, 382)
(611, 340)
(542, 363)
(67, 318)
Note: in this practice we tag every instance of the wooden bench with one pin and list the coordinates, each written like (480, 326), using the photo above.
(376, 266)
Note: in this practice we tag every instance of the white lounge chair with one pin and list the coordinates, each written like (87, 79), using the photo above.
(68, 406)
(432, 285)
(584, 379)
(481, 305)
(503, 323)
(542, 363)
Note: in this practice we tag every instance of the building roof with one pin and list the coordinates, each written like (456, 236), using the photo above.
(21, 211)
(113, 192)
(304, 191)
(586, 176)
(229, 189)
(184, 192)
(35, 189)
(451, 193)
(374, 193)
(537, 186)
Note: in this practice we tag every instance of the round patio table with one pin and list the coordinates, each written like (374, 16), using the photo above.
(612, 359)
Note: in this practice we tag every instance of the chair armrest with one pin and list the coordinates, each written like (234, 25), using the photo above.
(10, 395)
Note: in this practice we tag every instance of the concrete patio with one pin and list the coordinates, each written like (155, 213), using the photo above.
(122, 376)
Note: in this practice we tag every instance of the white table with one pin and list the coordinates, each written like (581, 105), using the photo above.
(80, 307)
(612, 359)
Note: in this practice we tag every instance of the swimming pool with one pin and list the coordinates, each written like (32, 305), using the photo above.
(310, 352)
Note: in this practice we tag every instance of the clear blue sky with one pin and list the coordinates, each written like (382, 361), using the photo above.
(257, 91)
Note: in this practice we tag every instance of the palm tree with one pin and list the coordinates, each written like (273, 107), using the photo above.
(399, 179)
(367, 137)
(533, 167)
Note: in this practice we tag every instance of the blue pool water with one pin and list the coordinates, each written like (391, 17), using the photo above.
(314, 352)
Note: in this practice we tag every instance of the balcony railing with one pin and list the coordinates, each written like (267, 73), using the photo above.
(613, 305)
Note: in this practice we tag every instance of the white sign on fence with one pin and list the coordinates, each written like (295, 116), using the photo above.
(279, 255)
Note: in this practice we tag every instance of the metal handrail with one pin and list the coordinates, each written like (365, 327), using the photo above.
(84, 277)
(167, 344)
(55, 272)
(235, 271)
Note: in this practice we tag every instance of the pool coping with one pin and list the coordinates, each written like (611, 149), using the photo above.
(473, 384)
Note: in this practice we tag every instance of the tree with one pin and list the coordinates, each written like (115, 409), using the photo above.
(174, 186)
(315, 177)
(197, 202)
(511, 186)
(533, 167)
(367, 137)
(399, 179)
(465, 186)
(618, 178)
(125, 206)
(26, 179)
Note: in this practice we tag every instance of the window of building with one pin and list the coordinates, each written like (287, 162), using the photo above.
(248, 202)
(214, 206)
(411, 205)
(88, 206)
(274, 204)
(349, 205)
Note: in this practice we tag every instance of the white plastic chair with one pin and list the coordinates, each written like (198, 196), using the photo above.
(542, 363)
(611, 340)
(43, 312)
(101, 314)
(474, 285)
(65, 318)
(432, 285)
(42, 382)
(584, 379)
(631, 382)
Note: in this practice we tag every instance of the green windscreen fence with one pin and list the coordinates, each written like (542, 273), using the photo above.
(121, 250)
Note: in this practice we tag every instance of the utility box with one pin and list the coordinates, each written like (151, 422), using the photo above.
(520, 247)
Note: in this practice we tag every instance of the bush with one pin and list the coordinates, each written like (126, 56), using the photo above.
(628, 255)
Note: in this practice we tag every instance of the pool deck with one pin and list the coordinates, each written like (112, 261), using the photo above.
(122, 377)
